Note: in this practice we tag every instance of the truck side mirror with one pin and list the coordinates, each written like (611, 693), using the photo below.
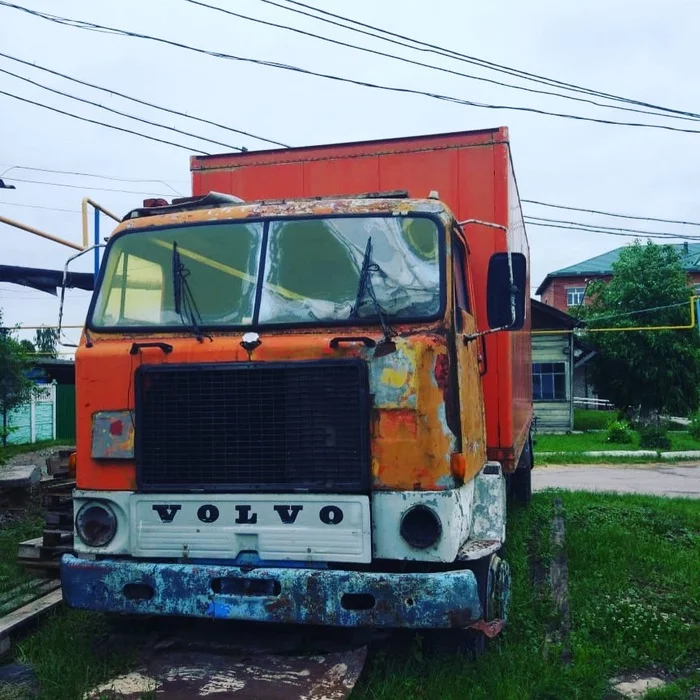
(506, 291)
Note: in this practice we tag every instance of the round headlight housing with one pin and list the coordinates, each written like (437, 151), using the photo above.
(421, 527)
(96, 524)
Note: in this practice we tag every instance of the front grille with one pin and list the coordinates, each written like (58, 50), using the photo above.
(253, 427)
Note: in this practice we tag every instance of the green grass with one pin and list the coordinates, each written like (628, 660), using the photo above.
(17, 528)
(70, 655)
(587, 442)
(12, 532)
(680, 689)
(15, 692)
(574, 458)
(590, 419)
(634, 587)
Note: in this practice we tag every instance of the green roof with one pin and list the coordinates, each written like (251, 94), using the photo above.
(603, 264)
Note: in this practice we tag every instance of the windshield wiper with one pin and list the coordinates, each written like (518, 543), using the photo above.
(365, 287)
(185, 304)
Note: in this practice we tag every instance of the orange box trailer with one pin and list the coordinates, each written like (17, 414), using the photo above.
(472, 173)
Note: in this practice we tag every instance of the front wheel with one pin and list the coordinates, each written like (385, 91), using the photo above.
(493, 579)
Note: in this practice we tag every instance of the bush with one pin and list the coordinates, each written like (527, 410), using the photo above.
(694, 427)
(654, 436)
(588, 419)
(620, 433)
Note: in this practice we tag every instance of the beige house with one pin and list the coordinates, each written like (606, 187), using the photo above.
(558, 360)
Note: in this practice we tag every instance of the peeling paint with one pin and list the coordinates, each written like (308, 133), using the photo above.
(306, 596)
(135, 683)
(393, 377)
(489, 515)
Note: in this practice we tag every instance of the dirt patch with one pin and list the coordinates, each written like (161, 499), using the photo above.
(559, 582)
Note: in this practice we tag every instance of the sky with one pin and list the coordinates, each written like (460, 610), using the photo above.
(640, 50)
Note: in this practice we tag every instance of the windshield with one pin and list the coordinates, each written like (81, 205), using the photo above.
(296, 271)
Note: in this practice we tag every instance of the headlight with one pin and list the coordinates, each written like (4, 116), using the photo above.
(421, 527)
(96, 524)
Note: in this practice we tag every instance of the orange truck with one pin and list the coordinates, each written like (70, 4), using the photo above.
(304, 393)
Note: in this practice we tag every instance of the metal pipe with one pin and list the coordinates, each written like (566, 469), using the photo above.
(37, 232)
(96, 228)
(98, 207)
(87, 201)
(692, 324)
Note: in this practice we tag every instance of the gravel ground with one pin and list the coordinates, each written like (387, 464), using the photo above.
(655, 479)
(37, 457)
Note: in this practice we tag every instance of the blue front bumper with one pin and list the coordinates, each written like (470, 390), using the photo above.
(296, 595)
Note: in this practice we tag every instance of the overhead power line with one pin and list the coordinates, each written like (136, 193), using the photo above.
(427, 47)
(403, 59)
(99, 123)
(634, 313)
(97, 175)
(38, 206)
(86, 187)
(417, 63)
(629, 233)
(91, 26)
(603, 227)
(116, 111)
(608, 213)
(145, 103)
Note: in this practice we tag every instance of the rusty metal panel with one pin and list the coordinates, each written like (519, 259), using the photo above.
(321, 596)
(112, 435)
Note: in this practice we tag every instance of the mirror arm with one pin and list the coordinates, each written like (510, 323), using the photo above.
(490, 224)
(63, 290)
(513, 290)
(480, 334)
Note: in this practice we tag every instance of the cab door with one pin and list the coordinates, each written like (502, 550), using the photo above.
(471, 362)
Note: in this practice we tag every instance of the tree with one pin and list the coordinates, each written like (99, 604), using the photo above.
(15, 387)
(46, 342)
(653, 372)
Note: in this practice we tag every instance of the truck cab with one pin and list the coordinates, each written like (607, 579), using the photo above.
(281, 416)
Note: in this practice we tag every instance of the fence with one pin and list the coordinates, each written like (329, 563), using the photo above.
(600, 404)
(35, 420)
(65, 413)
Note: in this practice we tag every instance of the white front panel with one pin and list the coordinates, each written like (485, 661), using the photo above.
(452, 506)
(306, 527)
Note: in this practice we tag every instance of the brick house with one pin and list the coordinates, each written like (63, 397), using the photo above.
(565, 289)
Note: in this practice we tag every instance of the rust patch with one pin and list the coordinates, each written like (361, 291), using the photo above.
(490, 629)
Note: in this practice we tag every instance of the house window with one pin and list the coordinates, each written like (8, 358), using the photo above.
(574, 296)
(549, 381)
(696, 289)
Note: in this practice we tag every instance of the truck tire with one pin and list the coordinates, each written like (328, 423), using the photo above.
(493, 582)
